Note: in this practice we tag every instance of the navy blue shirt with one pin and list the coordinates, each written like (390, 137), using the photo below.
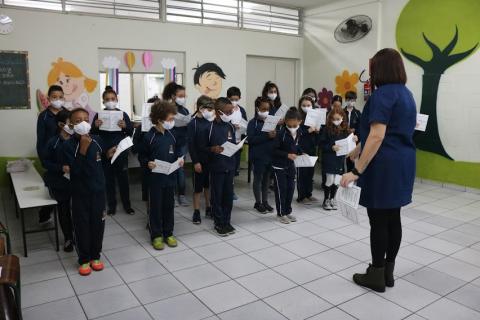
(198, 130)
(181, 132)
(46, 129)
(112, 138)
(331, 163)
(219, 133)
(283, 145)
(309, 140)
(260, 145)
(388, 180)
(53, 163)
(353, 119)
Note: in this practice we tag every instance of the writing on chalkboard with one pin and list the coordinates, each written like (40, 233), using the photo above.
(14, 80)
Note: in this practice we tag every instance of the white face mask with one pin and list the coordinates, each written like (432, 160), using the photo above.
(263, 114)
(208, 115)
(168, 125)
(350, 104)
(293, 130)
(68, 130)
(337, 122)
(181, 101)
(57, 104)
(272, 96)
(225, 118)
(306, 108)
(234, 103)
(82, 128)
(110, 105)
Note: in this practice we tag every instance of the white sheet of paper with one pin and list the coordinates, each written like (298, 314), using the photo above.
(349, 196)
(122, 146)
(282, 111)
(182, 120)
(422, 121)
(316, 118)
(67, 176)
(270, 123)
(346, 145)
(305, 161)
(166, 167)
(146, 122)
(110, 120)
(229, 149)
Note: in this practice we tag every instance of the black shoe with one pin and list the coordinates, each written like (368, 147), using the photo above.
(260, 207)
(196, 217)
(130, 211)
(389, 279)
(230, 229)
(268, 207)
(221, 231)
(373, 279)
(208, 212)
(68, 246)
(111, 212)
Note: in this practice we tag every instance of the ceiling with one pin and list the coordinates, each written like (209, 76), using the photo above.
(299, 3)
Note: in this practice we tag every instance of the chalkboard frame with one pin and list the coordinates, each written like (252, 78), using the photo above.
(27, 78)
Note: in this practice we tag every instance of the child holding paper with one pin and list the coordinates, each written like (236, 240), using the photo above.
(118, 170)
(160, 144)
(260, 154)
(308, 143)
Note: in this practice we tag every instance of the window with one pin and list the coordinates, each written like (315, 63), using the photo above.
(149, 9)
(270, 18)
(47, 4)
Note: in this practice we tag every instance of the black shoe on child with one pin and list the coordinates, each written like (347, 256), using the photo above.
(130, 211)
(221, 231)
(268, 207)
(208, 212)
(196, 217)
(111, 212)
(230, 229)
(68, 246)
(260, 207)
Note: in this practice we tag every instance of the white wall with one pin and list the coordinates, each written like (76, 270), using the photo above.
(76, 38)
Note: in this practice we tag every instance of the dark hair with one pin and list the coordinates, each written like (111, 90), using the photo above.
(293, 113)
(261, 100)
(221, 102)
(160, 110)
(108, 89)
(308, 91)
(270, 85)
(308, 98)
(77, 110)
(54, 88)
(153, 99)
(207, 67)
(343, 127)
(170, 90)
(387, 67)
(350, 95)
(205, 102)
(337, 98)
(233, 91)
(62, 116)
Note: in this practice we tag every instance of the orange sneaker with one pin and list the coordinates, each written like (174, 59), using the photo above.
(97, 265)
(84, 269)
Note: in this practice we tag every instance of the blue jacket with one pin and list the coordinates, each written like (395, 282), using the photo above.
(331, 163)
(53, 163)
(309, 141)
(353, 119)
(112, 138)
(260, 146)
(198, 130)
(86, 171)
(181, 132)
(219, 133)
(283, 145)
(159, 146)
(46, 129)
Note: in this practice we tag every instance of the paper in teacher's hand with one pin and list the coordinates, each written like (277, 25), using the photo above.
(282, 111)
(122, 146)
(422, 120)
(270, 123)
(182, 120)
(229, 149)
(110, 120)
(146, 122)
(305, 161)
(165, 167)
(316, 118)
(346, 145)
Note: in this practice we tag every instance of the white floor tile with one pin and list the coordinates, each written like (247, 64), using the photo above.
(445, 309)
(95, 281)
(239, 266)
(140, 270)
(435, 281)
(46, 291)
(126, 254)
(217, 251)
(265, 283)
(439, 245)
(257, 310)
(333, 260)
(137, 313)
(468, 295)
(181, 260)
(304, 247)
(157, 288)
(279, 236)
(58, 310)
(42, 271)
(250, 243)
(409, 296)
(333, 314)
(419, 254)
(200, 276)
(457, 268)
(183, 307)
(301, 271)
(334, 289)
(273, 256)
(331, 239)
(372, 307)
(468, 255)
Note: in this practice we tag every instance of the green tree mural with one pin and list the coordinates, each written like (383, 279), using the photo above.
(435, 35)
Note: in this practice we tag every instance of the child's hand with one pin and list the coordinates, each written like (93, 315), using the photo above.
(151, 165)
(216, 149)
(355, 139)
(335, 148)
(66, 169)
(122, 124)
(236, 126)
(85, 141)
(311, 129)
(292, 156)
(181, 163)
(111, 152)
(198, 168)
(272, 134)
(98, 123)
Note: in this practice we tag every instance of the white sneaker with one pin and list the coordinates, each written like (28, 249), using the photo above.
(291, 218)
(326, 205)
(284, 219)
(182, 200)
(333, 204)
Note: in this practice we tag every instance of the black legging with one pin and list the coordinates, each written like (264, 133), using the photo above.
(385, 235)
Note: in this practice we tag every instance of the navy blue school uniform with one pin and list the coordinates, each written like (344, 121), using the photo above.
(181, 136)
(46, 129)
(331, 163)
(353, 119)
(119, 169)
(57, 183)
(222, 172)
(308, 143)
(160, 146)
(87, 182)
(238, 155)
(284, 169)
(137, 138)
(198, 130)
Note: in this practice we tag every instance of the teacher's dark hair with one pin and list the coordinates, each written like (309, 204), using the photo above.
(386, 67)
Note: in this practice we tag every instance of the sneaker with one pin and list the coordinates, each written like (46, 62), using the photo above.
(235, 197)
(208, 212)
(221, 231)
(158, 244)
(111, 212)
(97, 265)
(304, 201)
(333, 204)
(130, 211)
(68, 246)
(260, 207)
(326, 205)
(230, 229)
(291, 218)
(182, 200)
(313, 199)
(284, 219)
(268, 207)
(84, 269)
(172, 242)
(196, 217)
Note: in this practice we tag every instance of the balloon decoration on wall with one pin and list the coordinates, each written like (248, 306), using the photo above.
(325, 98)
(346, 82)
(111, 65)
(169, 69)
(147, 59)
(130, 60)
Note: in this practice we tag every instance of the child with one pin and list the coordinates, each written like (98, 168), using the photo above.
(308, 143)
(270, 91)
(176, 94)
(160, 144)
(46, 129)
(353, 115)
(208, 79)
(260, 154)
(83, 154)
(119, 169)
(286, 149)
(335, 129)
(198, 130)
(56, 177)
(312, 94)
(222, 168)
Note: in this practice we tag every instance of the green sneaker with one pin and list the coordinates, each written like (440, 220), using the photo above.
(171, 242)
(158, 243)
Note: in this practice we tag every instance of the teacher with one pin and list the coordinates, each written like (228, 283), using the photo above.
(385, 169)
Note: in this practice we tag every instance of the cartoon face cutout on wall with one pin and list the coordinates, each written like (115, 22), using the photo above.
(208, 79)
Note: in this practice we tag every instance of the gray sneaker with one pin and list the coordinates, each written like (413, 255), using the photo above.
(333, 204)
(284, 219)
(327, 205)
(182, 201)
(291, 217)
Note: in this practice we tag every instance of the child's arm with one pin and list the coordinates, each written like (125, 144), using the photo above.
(49, 162)
(192, 148)
(277, 151)
(128, 130)
(96, 123)
(40, 136)
(143, 151)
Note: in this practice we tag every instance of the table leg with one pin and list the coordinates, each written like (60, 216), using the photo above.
(24, 235)
(55, 219)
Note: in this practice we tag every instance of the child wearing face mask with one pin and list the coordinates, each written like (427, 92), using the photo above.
(308, 143)
(312, 94)
(270, 91)
(222, 168)
(197, 136)
(353, 119)
(161, 144)
(176, 93)
(57, 176)
(260, 154)
(46, 129)
(285, 151)
(117, 171)
(83, 155)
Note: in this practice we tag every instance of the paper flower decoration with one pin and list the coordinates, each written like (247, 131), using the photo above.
(111, 62)
(346, 82)
(168, 63)
(325, 98)
(147, 59)
(129, 60)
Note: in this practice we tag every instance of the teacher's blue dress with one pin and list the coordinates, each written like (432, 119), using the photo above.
(387, 183)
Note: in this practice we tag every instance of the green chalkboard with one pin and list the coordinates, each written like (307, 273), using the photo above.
(14, 82)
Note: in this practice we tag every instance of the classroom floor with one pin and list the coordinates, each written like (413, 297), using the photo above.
(265, 271)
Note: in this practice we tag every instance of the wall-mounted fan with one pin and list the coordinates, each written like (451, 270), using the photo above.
(353, 29)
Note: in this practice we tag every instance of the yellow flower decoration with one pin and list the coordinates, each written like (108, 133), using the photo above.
(346, 82)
